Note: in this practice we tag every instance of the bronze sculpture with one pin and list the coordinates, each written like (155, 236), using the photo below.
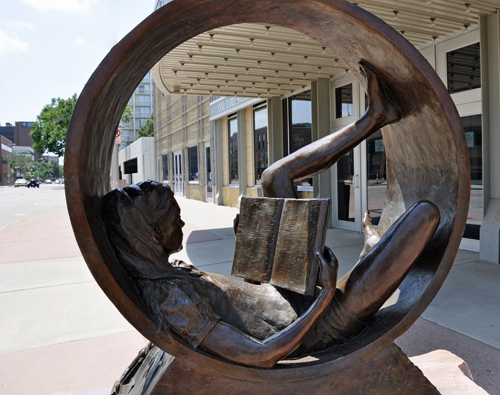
(258, 325)
(429, 121)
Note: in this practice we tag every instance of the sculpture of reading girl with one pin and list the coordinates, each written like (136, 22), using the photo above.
(259, 324)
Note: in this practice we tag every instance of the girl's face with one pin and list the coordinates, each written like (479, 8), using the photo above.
(169, 229)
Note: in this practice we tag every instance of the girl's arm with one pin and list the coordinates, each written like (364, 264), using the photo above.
(235, 346)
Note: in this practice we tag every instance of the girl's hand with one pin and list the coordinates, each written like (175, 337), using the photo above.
(329, 267)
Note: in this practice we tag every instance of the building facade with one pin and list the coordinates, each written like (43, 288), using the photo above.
(7, 131)
(136, 161)
(269, 104)
(19, 134)
(183, 144)
(6, 175)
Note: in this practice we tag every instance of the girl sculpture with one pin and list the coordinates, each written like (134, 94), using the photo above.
(258, 325)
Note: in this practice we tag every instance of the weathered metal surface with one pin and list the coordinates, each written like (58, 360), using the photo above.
(302, 230)
(277, 239)
(259, 222)
(389, 372)
(426, 155)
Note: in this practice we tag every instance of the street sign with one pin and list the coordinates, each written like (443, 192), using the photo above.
(118, 137)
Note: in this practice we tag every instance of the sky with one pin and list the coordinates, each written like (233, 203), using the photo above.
(49, 48)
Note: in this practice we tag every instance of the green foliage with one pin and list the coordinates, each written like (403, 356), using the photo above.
(21, 164)
(49, 130)
(21, 161)
(55, 169)
(25, 165)
(147, 130)
(42, 170)
(127, 117)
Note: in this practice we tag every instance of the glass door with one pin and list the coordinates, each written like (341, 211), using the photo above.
(346, 180)
(178, 179)
(208, 175)
(347, 197)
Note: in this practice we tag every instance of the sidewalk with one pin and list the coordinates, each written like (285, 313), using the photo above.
(60, 334)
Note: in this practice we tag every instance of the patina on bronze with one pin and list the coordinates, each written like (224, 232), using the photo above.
(417, 170)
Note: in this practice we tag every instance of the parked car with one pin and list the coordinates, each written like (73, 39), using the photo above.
(48, 181)
(20, 182)
(33, 183)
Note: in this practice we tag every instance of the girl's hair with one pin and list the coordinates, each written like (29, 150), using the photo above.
(128, 214)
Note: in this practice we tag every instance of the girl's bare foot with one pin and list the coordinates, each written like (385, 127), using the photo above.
(371, 235)
(380, 105)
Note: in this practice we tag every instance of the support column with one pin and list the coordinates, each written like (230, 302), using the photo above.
(320, 93)
(275, 129)
(242, 153)
(489, 249)
(115, 171)
(217, 163)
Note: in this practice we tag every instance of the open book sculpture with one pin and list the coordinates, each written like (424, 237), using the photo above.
(277, 239)
(215, 334)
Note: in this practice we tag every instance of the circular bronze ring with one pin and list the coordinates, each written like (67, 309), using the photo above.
(426, 154)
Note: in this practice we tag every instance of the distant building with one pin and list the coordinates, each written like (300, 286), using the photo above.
(50, 158)
(19, 134)
(24, 151)
(7, 131)
(5, 155)
(137, 161)
(141, 104)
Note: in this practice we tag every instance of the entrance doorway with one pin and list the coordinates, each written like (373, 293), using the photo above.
(347, 191)
(208, 174)
(346, 174)
(177, 176)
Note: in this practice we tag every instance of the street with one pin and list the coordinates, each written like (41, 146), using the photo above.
(59, 331)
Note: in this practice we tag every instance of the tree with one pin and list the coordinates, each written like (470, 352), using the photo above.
(21, 164)
(127, 117)
(49, 130)
(147, 130)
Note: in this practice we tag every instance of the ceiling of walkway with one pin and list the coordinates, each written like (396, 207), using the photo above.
(258, 60)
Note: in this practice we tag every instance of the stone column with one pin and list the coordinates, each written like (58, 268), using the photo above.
(320, 93)
(275, 129)
(242, 153)
(217, 163)
(490, 87)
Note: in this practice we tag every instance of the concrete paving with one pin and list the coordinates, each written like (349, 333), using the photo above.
(60, 334)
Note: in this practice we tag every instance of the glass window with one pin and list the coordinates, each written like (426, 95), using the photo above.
(139, 123)
(260, 146)
(376, 175)
(343, 101)
(209, 173)
(464, 69)
(143, 112)
(233, 150)
(473, 134)
(300, 126)
(193, 163)
(143, 88)
(165, 167)
(143, 100)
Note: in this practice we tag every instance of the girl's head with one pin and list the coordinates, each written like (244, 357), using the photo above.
(144, 225)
